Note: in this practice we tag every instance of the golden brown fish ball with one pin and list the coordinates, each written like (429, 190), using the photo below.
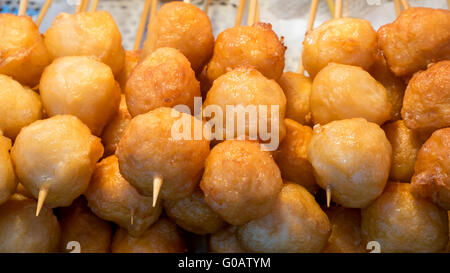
(343, 91)
(114, 130)
(225, 241)
(8, 181)
(395, 87)
(83, 87)
(162, 237)
(79, 224)
(184, 27)
(292, 156)
(297, 89)
(131, 61)
(241, 182)
(431, 178)
(426, 105)
(256, 46)
(193, 214)
(148, 151)
(56, 157)
(163, 79)
(246, 87)
(21, 231)
(23, 52)
(351, 158)
(19, 106)
(345, 231)
(86, 34)
(112, 198)
(418, 37)
(405, 146)
(295, 224)
(350, 41)
(401, 223)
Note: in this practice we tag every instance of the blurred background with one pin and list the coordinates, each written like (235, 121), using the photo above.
(288, 17)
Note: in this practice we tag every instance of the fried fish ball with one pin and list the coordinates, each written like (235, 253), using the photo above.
(184, 27)
(58, 156)
(162, 237)
(163, 79)
(296, 224)
(83, 87)
(193, 214)
(297, 89)
(86, 34)
(426, 105)
(343, 91)
(8, 181)
(431, 178)
(21, 231)
(352, 159)
(350, 41)
(241, 182)
(401, 223)
(292, 157)
(23, 52)
(114, 130)
(395, 87)
(19, 106)
(345, 231)
(149, 150)
(79, 224)
(225, 241)
(246, 87)
(256, 46)
(112, 198)
(418, 37)
(131, 61)
(405, 146)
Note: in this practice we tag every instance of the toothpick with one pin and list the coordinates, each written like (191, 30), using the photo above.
(257, 12)
(187, 1)
(328, 195)
(94, 5)
(22, 8)
(252, 12)
(338, 9)
(43, 12)
(398, 7)
(142, 22)
(208, 2)
(309, 27)
(157, 183)
(330, 4)
(405, 4)
(85, 5)
(43, 191)
(240, 12)
(80, 5)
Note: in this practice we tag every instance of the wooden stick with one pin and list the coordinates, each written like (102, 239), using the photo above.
(338, 9)
(405, 4)
(398, 7)
(208, 2)
(309, 27)
(252, 12)
(257, 12)
(330, 4)
(448, 4)
(187, 1)
(79, 6)
(22, 8)
(85, 5)
(43, 12)
(94, 5)
(142, 23)
(240, 12)
(43, 191)
(328, 195)
(157, 183)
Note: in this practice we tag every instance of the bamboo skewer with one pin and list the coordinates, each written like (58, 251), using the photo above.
(157, 183)
(330, 4)
(94, 5)
(79, 6)
(257, 12)
(240, 12)
(448, 4)
(43, 12)
(85, 5)
(338, 9)
(405, 4)
(142, 23)
(398, 7)
(208, 2)
(309, 27)
(252, 12)
(22, 8)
